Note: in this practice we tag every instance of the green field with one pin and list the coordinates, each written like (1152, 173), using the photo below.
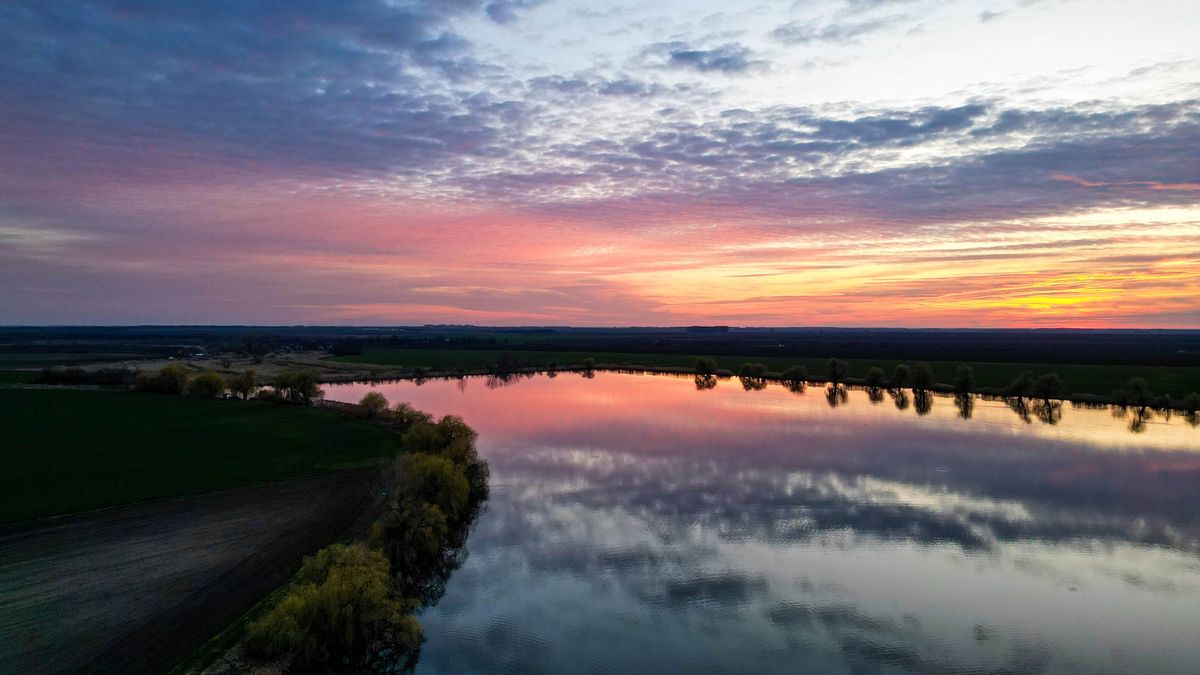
(17, 376)
(1079, 379)
(66, 450)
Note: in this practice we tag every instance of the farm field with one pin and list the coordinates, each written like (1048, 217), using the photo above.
(68, 450)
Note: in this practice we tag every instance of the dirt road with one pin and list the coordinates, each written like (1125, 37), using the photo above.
(138, 588)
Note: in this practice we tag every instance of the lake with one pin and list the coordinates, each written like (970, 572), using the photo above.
(641, 524)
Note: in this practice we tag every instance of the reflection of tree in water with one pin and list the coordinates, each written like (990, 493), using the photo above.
(705, 382)
(835, 395)
(965, 404)
(501, 380)
(1020, 405)
(1137, 421)
(875, 394)
(900, 398)
(753, 383)
(922, 402)
(1048, 411)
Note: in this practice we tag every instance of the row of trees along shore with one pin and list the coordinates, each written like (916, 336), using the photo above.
(351, 608)
(920, 378)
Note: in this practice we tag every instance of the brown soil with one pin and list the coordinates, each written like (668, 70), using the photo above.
(136, 589)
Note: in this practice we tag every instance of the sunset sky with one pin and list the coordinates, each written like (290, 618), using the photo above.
(520, 162)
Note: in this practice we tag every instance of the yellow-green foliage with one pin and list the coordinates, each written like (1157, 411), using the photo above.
(434, 480)
(208, 384)
(341, 614)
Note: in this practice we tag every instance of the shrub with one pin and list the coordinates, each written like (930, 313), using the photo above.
(172, 379)
(340, 616)
(1047, 387)
(1137, 392)
(206, 385)
(964, 380)
(1022, 385)
(436, 480)
(901, 376)
(923, 380)
(298, 386)
(835, 370)
(795, 375)
(706, 366)
(752, 370)
(373, 403)
(876, 379)
(244, 383)
(409, 416)
(1191, 403)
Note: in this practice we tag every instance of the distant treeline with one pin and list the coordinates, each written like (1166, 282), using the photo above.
(1109, 347)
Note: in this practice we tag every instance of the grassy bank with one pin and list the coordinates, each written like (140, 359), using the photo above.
(67, 451)
(1098, 380)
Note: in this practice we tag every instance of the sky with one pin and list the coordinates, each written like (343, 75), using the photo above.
(1028, 163)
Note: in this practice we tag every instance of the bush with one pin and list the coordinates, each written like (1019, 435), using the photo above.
(1137, 392)
(244, 383)
(340, 616)
(1022, 385)
(901, 376)
(206, 385)
(1191, 403)
(409, 416)
(373, 403)
(171, 379)
(1047, 387)
(876, 379)
(923, 380)
(706, 366)
(795, 375)
(752, 370)
(835, 371)
(964, 380)
(298, 386)
(436, 480)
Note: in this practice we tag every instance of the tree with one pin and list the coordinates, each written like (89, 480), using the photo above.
(1047, 387)
(1022, 385)
(172, 379)
(1137, 392)
(243, 384)
(436, 480)
(923, 380)
(835, 371)
(588, 364)
(706, 366)
(340, 616)
(900, 376)
(373, 403)
(206, 385)
(409, 416)
(795, 376)
(964, 380)
(753, 376)
(298, 386)
(876, 379)
(1191, 403)
(226, 362)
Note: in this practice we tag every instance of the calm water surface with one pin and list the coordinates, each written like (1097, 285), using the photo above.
(638, 525)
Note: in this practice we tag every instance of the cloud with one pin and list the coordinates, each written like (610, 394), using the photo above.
(845, 32)
(729, 58)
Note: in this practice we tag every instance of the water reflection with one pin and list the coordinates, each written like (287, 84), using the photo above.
(768, 532)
